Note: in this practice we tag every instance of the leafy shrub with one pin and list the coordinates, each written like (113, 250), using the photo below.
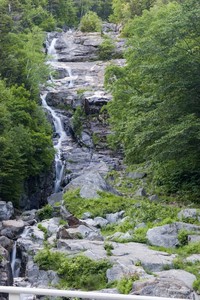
(125, 284)
(90, 22)
(108, 247)
(106, 49)
(45, 213)
(183, 237)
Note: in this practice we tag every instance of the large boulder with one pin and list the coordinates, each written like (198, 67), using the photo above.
(6, 210)
(189, 214)
(90, 184)
(167, 235)
(162, 287)
(12, 228)
(5, 268)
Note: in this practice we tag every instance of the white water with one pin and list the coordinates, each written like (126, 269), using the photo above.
(15, 262)
(59, 164)
(52, 50)
(58, 124)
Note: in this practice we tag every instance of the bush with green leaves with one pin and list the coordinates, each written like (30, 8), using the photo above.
(46, 212)
(125, 284)
(106, 49)
(79, 272)
(90, 22)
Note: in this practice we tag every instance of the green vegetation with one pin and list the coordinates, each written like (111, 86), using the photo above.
(46, 212)
(124, 285)
(106, 49)
(124, 10)
(108, 247)
(154, 113)
(77, 120)
(142, 211)
(43, 229)
(77, 272)
(90, 22)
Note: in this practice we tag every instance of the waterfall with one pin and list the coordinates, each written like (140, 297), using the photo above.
(52, 50)
(58, 125)
(15, 262)
(59, 164)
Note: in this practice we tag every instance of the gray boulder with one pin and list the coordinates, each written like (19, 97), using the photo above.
(115, 217)
(6, 210)
(85, 232)
(40, 278)
(141, 192)
(136, 175)
(189, 213)
(162, 287)
(12, 228)
(90, 184)
(167, 235)
(5, 268)
(186, 277)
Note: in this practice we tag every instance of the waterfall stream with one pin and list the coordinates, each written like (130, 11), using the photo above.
(15, 262)
(57, 121)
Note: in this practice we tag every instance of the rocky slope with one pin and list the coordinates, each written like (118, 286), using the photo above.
(76, 95)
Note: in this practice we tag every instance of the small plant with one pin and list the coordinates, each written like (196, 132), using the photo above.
(90, 22)
(108, 247)
(183, 237)
(95, 138)
(43, 229)
(196, 285)
(62, 222)
(45, 213)
(125, 284)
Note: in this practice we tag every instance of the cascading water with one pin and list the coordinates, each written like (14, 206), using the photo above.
(15, 262)
(58, 125)
(59, 164)
(51, 49)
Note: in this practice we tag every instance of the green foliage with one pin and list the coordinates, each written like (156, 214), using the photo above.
(183, 237)
(124, 10)
(106, 49)
(77, 120)
(90, 22)
(25, 140)
(107, 203)
(46, 212)
(77, 272)
(49, 260)
(139, 235)
(43, 229)
(108, 247)
(196, 285)
(125, 284)
(154, 113)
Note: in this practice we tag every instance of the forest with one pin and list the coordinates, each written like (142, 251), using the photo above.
(155, 110)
